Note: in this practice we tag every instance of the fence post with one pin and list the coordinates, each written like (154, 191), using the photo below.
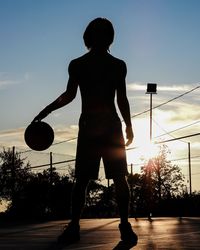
(13, 173)
(51, 169)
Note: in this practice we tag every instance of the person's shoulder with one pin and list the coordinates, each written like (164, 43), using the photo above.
(76, 63)
(118, 64)
(79, 59)
(117, 60)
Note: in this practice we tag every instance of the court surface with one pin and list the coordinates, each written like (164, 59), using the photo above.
(103, 234)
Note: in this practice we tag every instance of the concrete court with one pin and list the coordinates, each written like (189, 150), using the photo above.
(103, 234)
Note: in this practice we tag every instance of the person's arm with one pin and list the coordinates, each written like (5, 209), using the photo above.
(123, 105)
(65, 98)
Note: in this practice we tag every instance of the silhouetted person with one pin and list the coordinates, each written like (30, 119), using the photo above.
(100, 77)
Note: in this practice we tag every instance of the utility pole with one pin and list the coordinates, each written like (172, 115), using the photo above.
(131, 183)
(131, 191)
(51, 169)
(13, 173)
(189, 165)
(51, 184)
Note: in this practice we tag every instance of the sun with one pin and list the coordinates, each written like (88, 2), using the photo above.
(149, 150)
(142, 149)
(142, 152)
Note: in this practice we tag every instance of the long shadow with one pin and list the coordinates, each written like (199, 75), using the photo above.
(58, 246)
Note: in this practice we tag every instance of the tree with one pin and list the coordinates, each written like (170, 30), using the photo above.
(164, 181)
(107, 204)
(158, 186)
(13, 173)
(32, 195)
(138, 194)
(166, 178)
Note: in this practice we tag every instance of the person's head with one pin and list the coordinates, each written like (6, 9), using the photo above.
(99, 34)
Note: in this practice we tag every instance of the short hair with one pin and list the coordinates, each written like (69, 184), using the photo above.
(99, 34)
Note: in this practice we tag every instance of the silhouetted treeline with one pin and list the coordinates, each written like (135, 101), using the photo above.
(158, 189)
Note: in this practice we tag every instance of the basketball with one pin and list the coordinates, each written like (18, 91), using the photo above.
(39, 136)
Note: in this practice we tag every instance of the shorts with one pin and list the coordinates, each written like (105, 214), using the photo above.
(100, 138)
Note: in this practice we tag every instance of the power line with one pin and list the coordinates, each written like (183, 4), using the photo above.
(71, 139)
(166, 133)
(174, 139)
(170, 100)
(186, 158)
(169, 133)
(56, 143)
(178, 138)
(55, 163)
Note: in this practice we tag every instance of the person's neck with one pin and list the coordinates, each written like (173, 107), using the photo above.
(98, 51)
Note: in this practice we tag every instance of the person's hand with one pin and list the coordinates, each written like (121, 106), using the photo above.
(129, 135)
(41, 115)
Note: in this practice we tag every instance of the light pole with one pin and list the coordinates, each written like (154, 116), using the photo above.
(151, 89)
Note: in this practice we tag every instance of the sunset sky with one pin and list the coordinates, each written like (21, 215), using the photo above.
(158, 40)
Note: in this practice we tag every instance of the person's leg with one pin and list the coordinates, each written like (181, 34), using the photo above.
(78, 198)
(122, 197)
(71, 232)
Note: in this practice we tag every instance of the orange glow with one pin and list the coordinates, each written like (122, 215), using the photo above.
(142, 152)
(149, 150)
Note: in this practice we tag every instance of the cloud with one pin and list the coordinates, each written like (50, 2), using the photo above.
(136, 86)
(141, 86)
(12, 137)
(64, 133)
(7, 79)
(185, 112)
(12, 132)
(6, 83)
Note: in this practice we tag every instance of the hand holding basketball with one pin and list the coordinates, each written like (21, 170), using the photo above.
(42, 114)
